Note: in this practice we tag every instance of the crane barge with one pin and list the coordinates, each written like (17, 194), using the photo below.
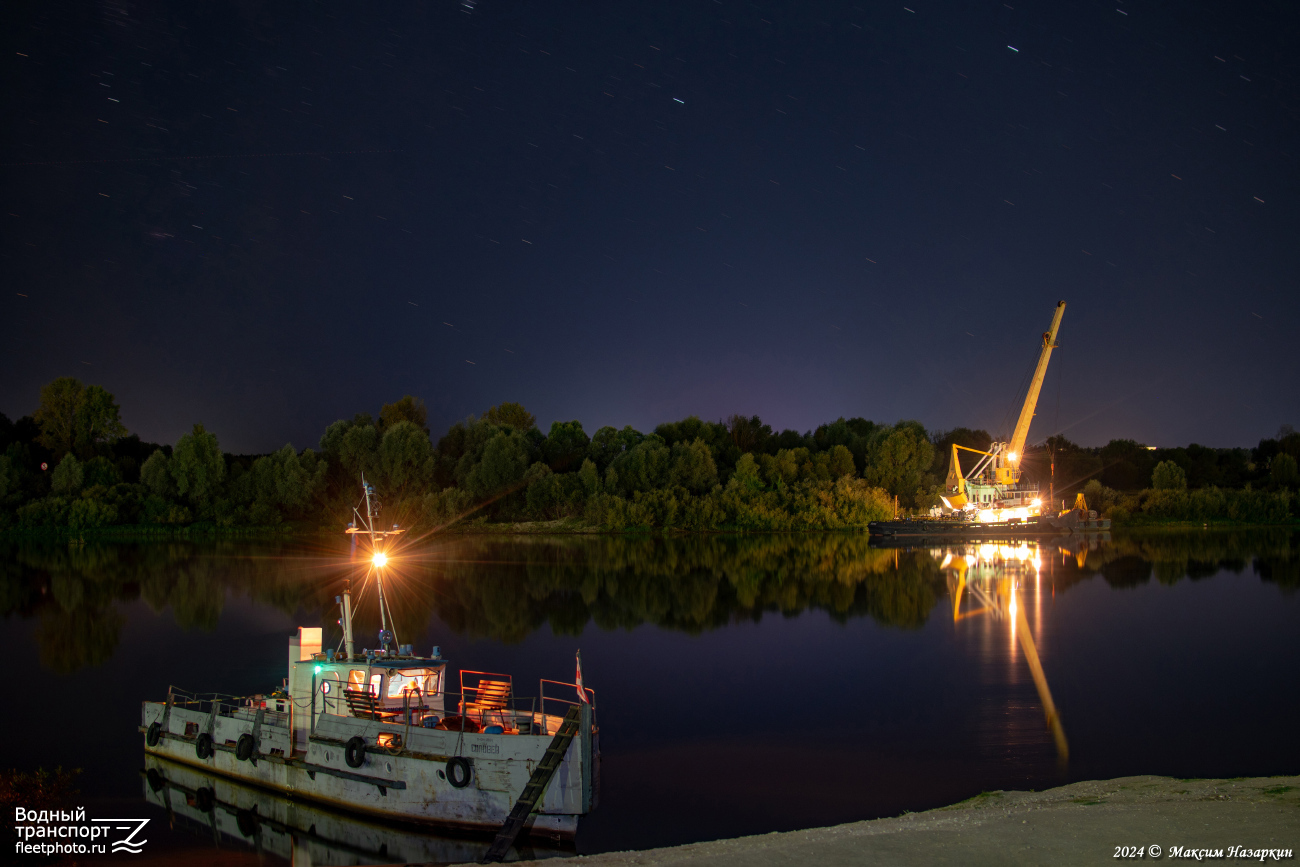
(991, 498)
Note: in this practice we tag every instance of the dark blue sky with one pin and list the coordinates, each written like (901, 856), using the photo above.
(265, 217)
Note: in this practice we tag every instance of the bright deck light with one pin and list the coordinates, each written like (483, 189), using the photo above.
(380, 560)
(1012, 456)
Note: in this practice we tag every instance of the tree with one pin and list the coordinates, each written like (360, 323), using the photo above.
(57, 414)
(505, 458)
(156, 476)
(644, 467)
(512, 414)
(841, 463)
(197, 466)
(285, 480)
(541, 490)
(1168, 476)
(74, 416)
(410, 409)
(610, 442)
(693, 467)
(67, 476)
(1284, 471)
(746, 475)
(1126, 464)
(565, 445)
(100, 471)
(359, 450)
(589, 476)
(406, 459)
(98, 420)
(783, 467)
(749, 434)
(898, 459)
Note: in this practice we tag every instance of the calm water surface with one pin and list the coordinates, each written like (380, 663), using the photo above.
(745, 684)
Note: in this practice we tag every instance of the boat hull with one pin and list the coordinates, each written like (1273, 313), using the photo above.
(408, 784)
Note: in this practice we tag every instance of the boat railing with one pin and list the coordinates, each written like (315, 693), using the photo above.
(565, 703)
(230, 706)
(466, 712)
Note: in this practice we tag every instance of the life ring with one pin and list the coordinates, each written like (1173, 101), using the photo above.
(459, 771)
(154, 735)
(244, 747)
(355, 752)
(203, 746)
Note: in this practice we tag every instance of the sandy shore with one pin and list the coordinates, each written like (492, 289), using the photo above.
(1081, 823)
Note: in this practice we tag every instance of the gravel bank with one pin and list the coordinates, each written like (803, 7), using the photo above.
(1081, 823)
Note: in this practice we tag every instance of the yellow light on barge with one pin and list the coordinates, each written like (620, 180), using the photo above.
(380, 559)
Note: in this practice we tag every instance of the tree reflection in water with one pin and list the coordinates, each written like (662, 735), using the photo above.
(505, 588)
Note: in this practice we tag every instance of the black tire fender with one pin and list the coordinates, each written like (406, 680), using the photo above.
(154, 735)
(203, 746)
(459, 771)
(156, 781)
(248, 822)
(203, 799)
(355, 752)
(244, 747)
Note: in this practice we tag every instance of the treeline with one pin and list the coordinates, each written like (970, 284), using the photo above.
(72, 466)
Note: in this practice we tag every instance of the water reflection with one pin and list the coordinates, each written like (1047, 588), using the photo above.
(507, 588)
(989, 580)
(234, 816)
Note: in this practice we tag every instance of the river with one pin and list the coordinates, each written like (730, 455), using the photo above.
(744, 684)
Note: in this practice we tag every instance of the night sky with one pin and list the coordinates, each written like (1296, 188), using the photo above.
(265, 217)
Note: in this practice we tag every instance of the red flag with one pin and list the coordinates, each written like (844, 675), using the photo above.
(582, 692)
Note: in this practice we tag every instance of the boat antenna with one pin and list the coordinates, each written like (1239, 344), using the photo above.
(365, 523)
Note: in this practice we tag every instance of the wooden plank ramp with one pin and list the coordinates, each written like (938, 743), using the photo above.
(536, 786)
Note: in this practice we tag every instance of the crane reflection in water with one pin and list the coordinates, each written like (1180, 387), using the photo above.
(988, 580)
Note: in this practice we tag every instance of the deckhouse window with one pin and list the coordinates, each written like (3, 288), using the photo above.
(375, 681)
(357, 679)
(408, 679)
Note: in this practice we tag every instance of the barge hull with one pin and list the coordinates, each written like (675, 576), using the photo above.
(1030, 528)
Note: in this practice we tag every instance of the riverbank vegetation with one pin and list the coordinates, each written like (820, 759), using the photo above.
(72, 468)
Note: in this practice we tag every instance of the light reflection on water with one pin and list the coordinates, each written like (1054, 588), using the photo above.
(747, 684)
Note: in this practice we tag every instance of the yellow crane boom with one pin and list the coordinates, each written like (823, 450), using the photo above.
(1016, 447)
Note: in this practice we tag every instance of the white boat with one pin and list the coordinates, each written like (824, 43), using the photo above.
(378, 733)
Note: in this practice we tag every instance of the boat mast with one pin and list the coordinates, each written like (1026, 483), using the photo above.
(378, 560)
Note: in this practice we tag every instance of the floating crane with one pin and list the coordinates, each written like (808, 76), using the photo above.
(992, 488)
